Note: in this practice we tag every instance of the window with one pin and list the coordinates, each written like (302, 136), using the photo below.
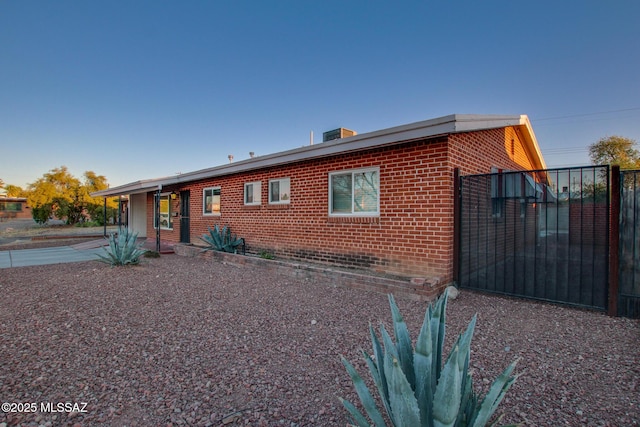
(354, 193)
(211, 201)
(11, 206)
(279, 190)
(166, 219)
(514, 185)
(252, 193)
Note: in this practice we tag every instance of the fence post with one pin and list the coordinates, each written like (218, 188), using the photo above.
(105, 216)
(614, 240)
(456, 226)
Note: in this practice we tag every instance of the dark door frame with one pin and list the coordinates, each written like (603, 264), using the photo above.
(185, 226)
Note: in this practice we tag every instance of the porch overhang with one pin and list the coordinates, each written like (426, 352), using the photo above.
(137, 187)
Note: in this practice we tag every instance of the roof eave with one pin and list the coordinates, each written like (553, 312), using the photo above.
(425, 129)
(531, 143)
(132, 188)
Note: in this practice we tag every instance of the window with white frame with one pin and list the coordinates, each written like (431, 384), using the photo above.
(211, 201)
(165, 217)
(279, 191)
(252, 193)
(354, 192)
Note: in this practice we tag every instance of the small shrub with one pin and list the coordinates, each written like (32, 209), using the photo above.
(123, 249)
(414, 387)
(221, 239)
(152, 254)
(266, 255)
(41, 214)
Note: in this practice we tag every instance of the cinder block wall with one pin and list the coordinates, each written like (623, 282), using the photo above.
(413, 235)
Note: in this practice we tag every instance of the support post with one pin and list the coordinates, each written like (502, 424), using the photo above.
(157, 204)
(104, 214)
(119, 214)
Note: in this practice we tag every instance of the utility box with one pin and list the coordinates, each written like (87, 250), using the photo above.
(337, 134)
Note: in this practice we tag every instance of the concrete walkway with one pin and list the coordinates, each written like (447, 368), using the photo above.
(55, 255)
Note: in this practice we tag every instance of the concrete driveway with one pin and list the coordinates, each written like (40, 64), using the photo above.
(55, 255)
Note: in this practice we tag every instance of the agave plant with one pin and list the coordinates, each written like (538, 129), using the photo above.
(221, 239)
(414, 388)
(123, 249)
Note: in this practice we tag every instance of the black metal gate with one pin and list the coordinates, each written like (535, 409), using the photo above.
(185, 225)
(629, 254)
(536, 234)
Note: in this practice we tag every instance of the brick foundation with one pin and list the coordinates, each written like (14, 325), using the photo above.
(420, 289)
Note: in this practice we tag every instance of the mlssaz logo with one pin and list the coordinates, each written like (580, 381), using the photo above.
(63, 407)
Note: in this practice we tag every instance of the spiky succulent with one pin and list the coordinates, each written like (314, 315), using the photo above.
(221, 239)
(123, 249)
(414, 387)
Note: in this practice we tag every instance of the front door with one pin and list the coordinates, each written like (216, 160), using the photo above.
(185, 231)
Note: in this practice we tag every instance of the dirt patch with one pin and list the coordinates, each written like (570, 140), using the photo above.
(192, 341)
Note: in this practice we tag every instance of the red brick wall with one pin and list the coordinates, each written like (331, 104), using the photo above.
(23, 213)
(588, 223)
(477, 152)
(413, 235)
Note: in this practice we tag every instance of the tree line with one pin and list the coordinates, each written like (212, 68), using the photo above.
(61, 195)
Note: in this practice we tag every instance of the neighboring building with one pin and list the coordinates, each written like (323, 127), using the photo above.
(14, 207)
(382, 200)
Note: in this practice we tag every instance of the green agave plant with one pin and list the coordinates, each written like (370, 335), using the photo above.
(221, 239)
(414, 388)
(123, 249)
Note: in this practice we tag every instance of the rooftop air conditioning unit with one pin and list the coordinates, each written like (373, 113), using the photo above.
(337, 134)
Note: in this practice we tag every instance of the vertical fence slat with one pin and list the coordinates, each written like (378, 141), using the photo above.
(628, 293)
(533, 234)
(614, 242)
(456, 220)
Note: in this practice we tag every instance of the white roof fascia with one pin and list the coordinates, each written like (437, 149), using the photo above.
(474, 122)
(524, 121)
(428, 128)
(131, 188)
(454, 123)
(424, 129)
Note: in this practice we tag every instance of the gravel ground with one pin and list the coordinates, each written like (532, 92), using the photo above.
(190, 341)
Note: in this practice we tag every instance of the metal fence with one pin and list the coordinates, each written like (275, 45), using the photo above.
(536, 234)
(629, 253)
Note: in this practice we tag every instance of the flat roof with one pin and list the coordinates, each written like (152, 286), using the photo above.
(454, 123)
(12, 199)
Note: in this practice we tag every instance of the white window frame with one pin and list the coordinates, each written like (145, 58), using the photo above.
(281, 194)
(256, 193)
(204, 201)
(353, 173)
(169, 214)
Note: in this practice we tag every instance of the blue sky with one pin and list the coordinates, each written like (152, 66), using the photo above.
(141, 89)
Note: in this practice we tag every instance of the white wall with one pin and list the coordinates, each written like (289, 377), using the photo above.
(138, 214)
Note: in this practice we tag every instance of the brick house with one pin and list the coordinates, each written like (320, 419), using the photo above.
(14, 208)
(381, 201)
